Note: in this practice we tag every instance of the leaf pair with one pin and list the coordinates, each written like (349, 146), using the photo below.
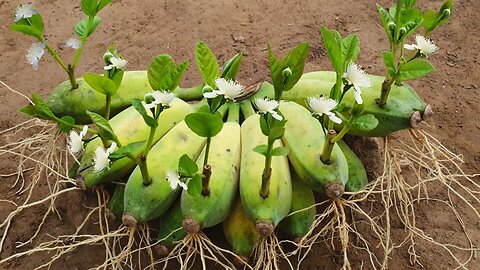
(82, 25)
(432, 19)
(208, 65)
(104, 84)
(164, 74)
(342, 52)
(294, 60)
(263, 150)
(92, 7)
(41, 110)
(32, 26)
(189, 169)
(411, 70)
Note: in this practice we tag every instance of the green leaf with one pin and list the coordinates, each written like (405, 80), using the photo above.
(333, 48)
(365, 122)
(204, 124)
(231, 67)
(386, 19)
(280, 151)
(67, 123)
(159, 70)
(261, 149)
(43, 110)
(415, 69)
(89, 7)
(29, 110)
(409, 3)
(26, 29)
(187, 167)
(150, 121)
(350, 49)
(411, 27)
(276, 70)
(389, 61)
(195, 185)
(131, 149)
(102, 4)
(295, 60)
(264, 127)
(105, 130)
(429, 20)
(81, 26)
(172, 80)
(207, 64)
(101, 84)
(276, 132)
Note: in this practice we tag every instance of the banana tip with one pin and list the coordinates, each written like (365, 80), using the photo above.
(80, 182)
(264, 228)
(415, 119)
(129, 221)
(110, 215)
(161, 250)
(428, 112)
(334, 191)
(191, 226)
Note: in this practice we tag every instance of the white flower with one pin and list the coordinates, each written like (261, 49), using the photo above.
(101, 160)
(321, 105)
(358, 78)
(73, 43)
(267, 106)
(116, 62)
(163, 98)
(35, 53)
(425, 46)
(24, 11)
(174, 180)
(230, 89)
(75, 144)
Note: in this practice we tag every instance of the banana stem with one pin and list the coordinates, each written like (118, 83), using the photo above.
(79, 51)
(189, 94)
(71, 77)
(207, 173)
(267, 173)
(233, 113)
(247, 109)
(328, 147)
(144, 170)
(386, 87)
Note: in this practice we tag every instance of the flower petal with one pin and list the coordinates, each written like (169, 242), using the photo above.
(276, 115)
(334, 117)
(183, 185)
(357, 93)
(410, 47)
(212, 94)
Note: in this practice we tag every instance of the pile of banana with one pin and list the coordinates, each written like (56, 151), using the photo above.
(234, 199)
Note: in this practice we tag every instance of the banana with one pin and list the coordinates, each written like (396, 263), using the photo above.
(170, 229)
(298, 224)
(240, 232)
(404, 109)
(206, 211)
(304, 138)
(357, 175)
(144, 203)
(129, 127)
(65, 101)
(265, 213)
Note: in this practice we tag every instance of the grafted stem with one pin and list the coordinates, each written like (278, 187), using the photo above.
(328, 146)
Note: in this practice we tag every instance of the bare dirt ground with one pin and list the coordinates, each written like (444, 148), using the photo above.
(142, 29)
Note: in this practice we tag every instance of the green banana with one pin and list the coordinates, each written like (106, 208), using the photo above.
(240, 232)
(129, 127)
(298, 224)
(115, 205)
(357, 175)
(404, 110)
(65, 101)
(144, 203)
(170, 229)
(265, 213)
(304, 138)
(206, 211)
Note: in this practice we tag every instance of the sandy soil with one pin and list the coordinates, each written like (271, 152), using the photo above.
(144, 28)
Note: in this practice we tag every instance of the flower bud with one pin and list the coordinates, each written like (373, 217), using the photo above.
(287, 72)
(207, 88)
(446, 12)
(402, 31)
(148, 98)
(392, 26)
(107, 56)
